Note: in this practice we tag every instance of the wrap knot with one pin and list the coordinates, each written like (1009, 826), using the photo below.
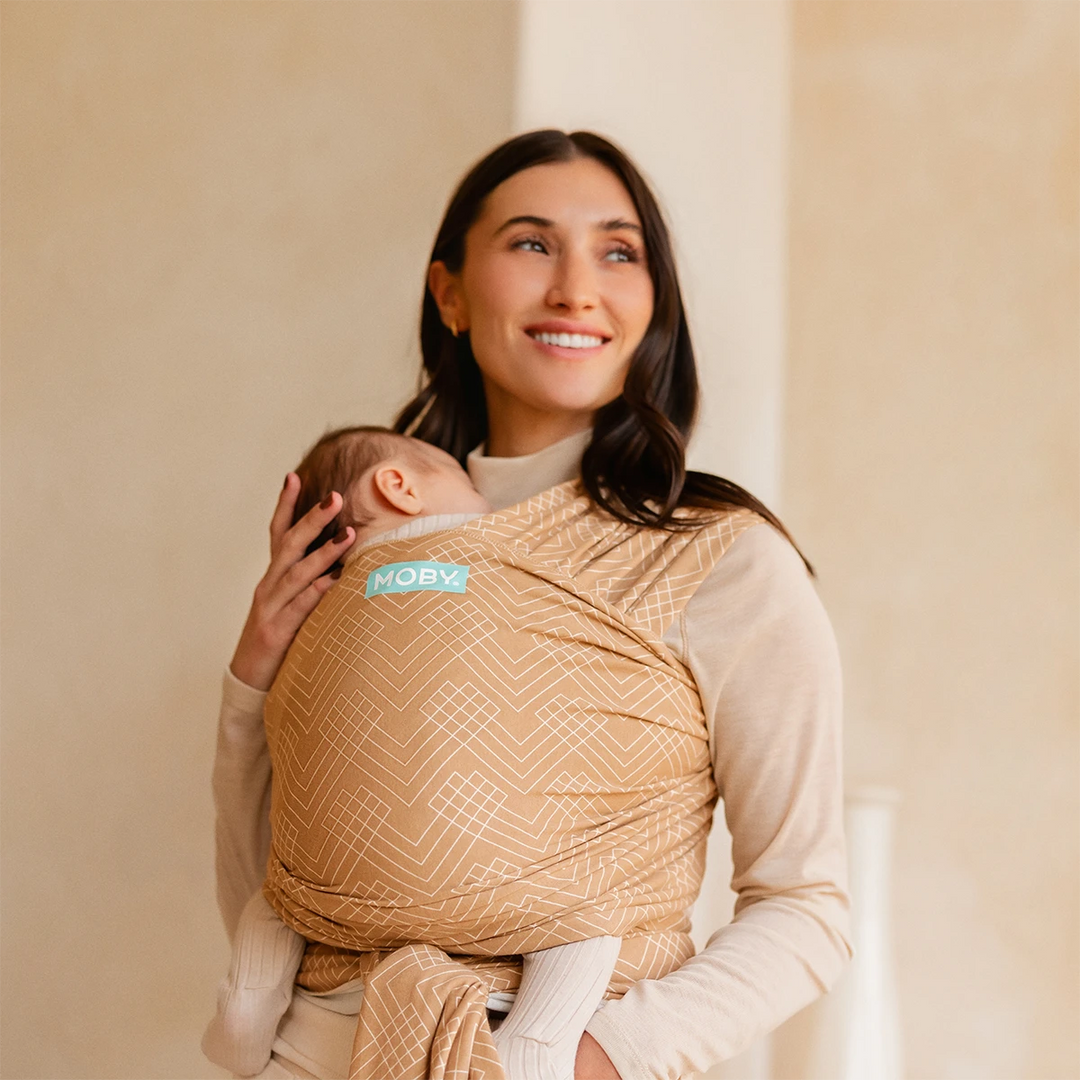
(424, 1017)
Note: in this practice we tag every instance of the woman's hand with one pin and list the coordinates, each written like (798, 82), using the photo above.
(291, 587)
(592, 1063)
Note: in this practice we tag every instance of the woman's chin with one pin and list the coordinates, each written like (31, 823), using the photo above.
(580, 400)
(577, 414)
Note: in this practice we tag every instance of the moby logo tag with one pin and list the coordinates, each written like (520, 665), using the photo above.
(401, 577)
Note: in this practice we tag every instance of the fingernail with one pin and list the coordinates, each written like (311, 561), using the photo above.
(327, 502)
(336, 573)
(341, 537)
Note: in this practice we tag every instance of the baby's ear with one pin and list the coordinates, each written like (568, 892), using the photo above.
(398, 487)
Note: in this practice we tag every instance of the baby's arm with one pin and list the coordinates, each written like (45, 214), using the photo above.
(257, 991)
(560, 990)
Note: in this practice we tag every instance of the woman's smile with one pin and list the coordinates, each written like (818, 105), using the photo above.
(559, 337)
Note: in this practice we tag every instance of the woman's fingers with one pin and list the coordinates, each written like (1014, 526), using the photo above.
(305, 602)
(314, 566)
(283, 512)
(291, 568)
(278, 612)
(292, 585)
(288, 542)
(295, 540)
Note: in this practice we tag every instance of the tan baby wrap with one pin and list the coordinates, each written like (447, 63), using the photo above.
(490, 772)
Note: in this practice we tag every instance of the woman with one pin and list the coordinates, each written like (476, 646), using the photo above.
(556, 345)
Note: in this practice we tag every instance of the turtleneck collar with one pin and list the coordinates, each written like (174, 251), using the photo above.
(504, 481)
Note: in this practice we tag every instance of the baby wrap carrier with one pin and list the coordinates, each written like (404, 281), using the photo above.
(482, 747)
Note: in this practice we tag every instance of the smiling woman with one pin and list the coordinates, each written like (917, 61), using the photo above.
(561, 373)
(555, 295)
(555, 233)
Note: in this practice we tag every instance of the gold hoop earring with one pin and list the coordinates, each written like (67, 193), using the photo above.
(453, 327)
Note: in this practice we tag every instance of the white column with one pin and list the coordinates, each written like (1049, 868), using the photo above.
(696, 91)
(854, 1031)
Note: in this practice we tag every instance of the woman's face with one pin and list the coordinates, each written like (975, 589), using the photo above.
(554, 291)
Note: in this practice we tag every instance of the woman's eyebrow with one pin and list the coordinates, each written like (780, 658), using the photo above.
(524, 219)
(611, 225)
(619, 223)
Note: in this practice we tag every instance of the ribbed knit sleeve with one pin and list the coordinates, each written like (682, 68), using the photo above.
(241, 788)
(762, 651)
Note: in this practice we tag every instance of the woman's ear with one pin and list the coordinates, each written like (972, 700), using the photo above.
(398, 487)
(446, 289)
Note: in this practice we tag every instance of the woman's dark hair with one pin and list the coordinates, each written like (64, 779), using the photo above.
(635, 465)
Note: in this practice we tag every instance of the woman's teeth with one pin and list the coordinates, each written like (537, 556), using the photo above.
(568, 341)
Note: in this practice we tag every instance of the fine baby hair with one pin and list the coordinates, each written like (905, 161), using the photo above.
(338, 459)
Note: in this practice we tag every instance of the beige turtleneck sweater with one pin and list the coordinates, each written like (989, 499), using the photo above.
(762, 652)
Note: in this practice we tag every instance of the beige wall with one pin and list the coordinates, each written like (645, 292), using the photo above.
(218, 216)
(216, 222)
(931, 474)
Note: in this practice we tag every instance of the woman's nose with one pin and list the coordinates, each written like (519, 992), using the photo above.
(574, 286)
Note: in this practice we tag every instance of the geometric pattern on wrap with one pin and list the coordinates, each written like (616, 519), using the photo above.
(441, 1006)
(502, 770)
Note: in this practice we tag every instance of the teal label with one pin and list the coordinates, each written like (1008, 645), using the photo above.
(414, 576)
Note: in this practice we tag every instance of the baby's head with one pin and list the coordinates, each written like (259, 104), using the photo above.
(385, 480)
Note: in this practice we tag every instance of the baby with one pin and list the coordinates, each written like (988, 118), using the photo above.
(394, 486)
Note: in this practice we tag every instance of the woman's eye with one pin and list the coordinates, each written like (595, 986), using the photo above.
(621, 254)
(530, 243)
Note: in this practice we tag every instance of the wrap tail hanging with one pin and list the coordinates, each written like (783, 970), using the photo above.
(424, 1017)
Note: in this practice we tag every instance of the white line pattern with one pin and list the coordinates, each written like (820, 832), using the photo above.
(498, 771)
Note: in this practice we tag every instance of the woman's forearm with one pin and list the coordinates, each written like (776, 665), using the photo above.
(241, 789)
(288, 592)
(763, 654)
(776, 958)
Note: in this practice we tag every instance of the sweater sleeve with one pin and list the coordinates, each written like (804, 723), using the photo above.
(241, 787)
(762, 651)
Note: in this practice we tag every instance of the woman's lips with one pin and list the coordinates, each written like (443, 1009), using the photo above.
(568, 344)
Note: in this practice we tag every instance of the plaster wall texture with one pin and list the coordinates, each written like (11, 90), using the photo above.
(930, 472)
(216, 226)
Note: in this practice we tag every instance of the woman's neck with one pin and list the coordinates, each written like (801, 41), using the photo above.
(504, 481)
(518, 435)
